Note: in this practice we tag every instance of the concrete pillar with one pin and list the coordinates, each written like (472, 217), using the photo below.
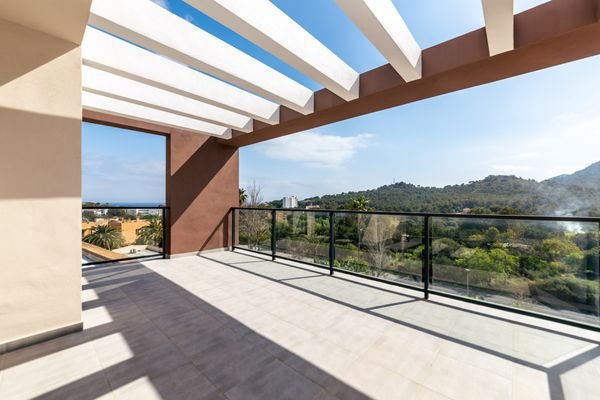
(40, 172)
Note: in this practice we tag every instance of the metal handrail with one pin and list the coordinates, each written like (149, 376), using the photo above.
(165, 232)
(123, 208)
(549, 218)
(427, 270)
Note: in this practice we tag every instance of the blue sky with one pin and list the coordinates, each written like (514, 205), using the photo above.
(122, 166)
(535, 126)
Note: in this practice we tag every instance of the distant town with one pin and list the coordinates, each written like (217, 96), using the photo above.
(113, 233)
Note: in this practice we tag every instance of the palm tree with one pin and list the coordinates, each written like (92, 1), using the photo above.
(105, 236)
(243, 196)
(360, 203)
(152, 233)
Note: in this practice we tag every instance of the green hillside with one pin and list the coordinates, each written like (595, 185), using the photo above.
(576, 194)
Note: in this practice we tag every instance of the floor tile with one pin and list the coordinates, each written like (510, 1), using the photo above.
(197, 328)
(277, 382)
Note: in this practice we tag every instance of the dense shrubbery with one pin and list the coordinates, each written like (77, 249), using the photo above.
(354, 264)
(254, 228)
(572, 289)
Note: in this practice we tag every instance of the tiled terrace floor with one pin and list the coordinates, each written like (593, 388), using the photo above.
(233, 326)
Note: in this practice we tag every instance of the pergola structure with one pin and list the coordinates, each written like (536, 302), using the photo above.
(183, 69)
(134, 64)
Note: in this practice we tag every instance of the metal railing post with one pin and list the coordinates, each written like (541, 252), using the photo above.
(273, 234)
(233, 229)
(331, 241)
(426, 272)
(165, 233)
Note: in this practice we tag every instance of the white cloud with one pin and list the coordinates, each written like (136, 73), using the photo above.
(315, 149)
(162, 3)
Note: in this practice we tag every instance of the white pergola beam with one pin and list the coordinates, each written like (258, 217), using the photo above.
(381, 23)
(106, 52)
(111, 106)
(149, 25)
(264, 24)
(499, 25)
(111, 85)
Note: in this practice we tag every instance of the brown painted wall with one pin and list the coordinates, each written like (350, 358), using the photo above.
(202, 186)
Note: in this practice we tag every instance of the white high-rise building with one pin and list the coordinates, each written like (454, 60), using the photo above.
(290, 202)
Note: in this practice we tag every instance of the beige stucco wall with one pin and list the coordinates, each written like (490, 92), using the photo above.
(40, 182)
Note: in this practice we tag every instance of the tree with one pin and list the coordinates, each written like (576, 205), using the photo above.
(353, 264)
(105, 236)
(152, 233)
(534, 267)
(495, 260)
(89, 215)
(380, 229)
(559, 248)
(254, 196)
(360, 203)
(444, 247)
(255, 225)
(590, 266)
(492, 235)
(243, 196)
(314, 241)
(116, 212)
(503, 262)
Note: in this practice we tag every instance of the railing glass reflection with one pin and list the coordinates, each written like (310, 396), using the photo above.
(110, 234)
(542, 266)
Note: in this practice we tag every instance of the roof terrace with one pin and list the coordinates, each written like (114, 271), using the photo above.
(215, 324)
(235, 325)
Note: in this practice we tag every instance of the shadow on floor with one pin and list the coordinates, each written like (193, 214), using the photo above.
(554, 372)
(154, 339)
(147, 337)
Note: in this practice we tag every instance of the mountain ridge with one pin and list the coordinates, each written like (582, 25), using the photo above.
(568, 194)
(587, 177)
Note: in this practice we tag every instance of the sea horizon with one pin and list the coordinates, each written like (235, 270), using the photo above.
(140, 204)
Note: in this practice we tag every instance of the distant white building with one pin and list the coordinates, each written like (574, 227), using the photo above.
(290, 202)
(143, 212)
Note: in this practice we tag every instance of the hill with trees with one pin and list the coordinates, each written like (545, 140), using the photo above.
(587, 177)
(576, 194)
